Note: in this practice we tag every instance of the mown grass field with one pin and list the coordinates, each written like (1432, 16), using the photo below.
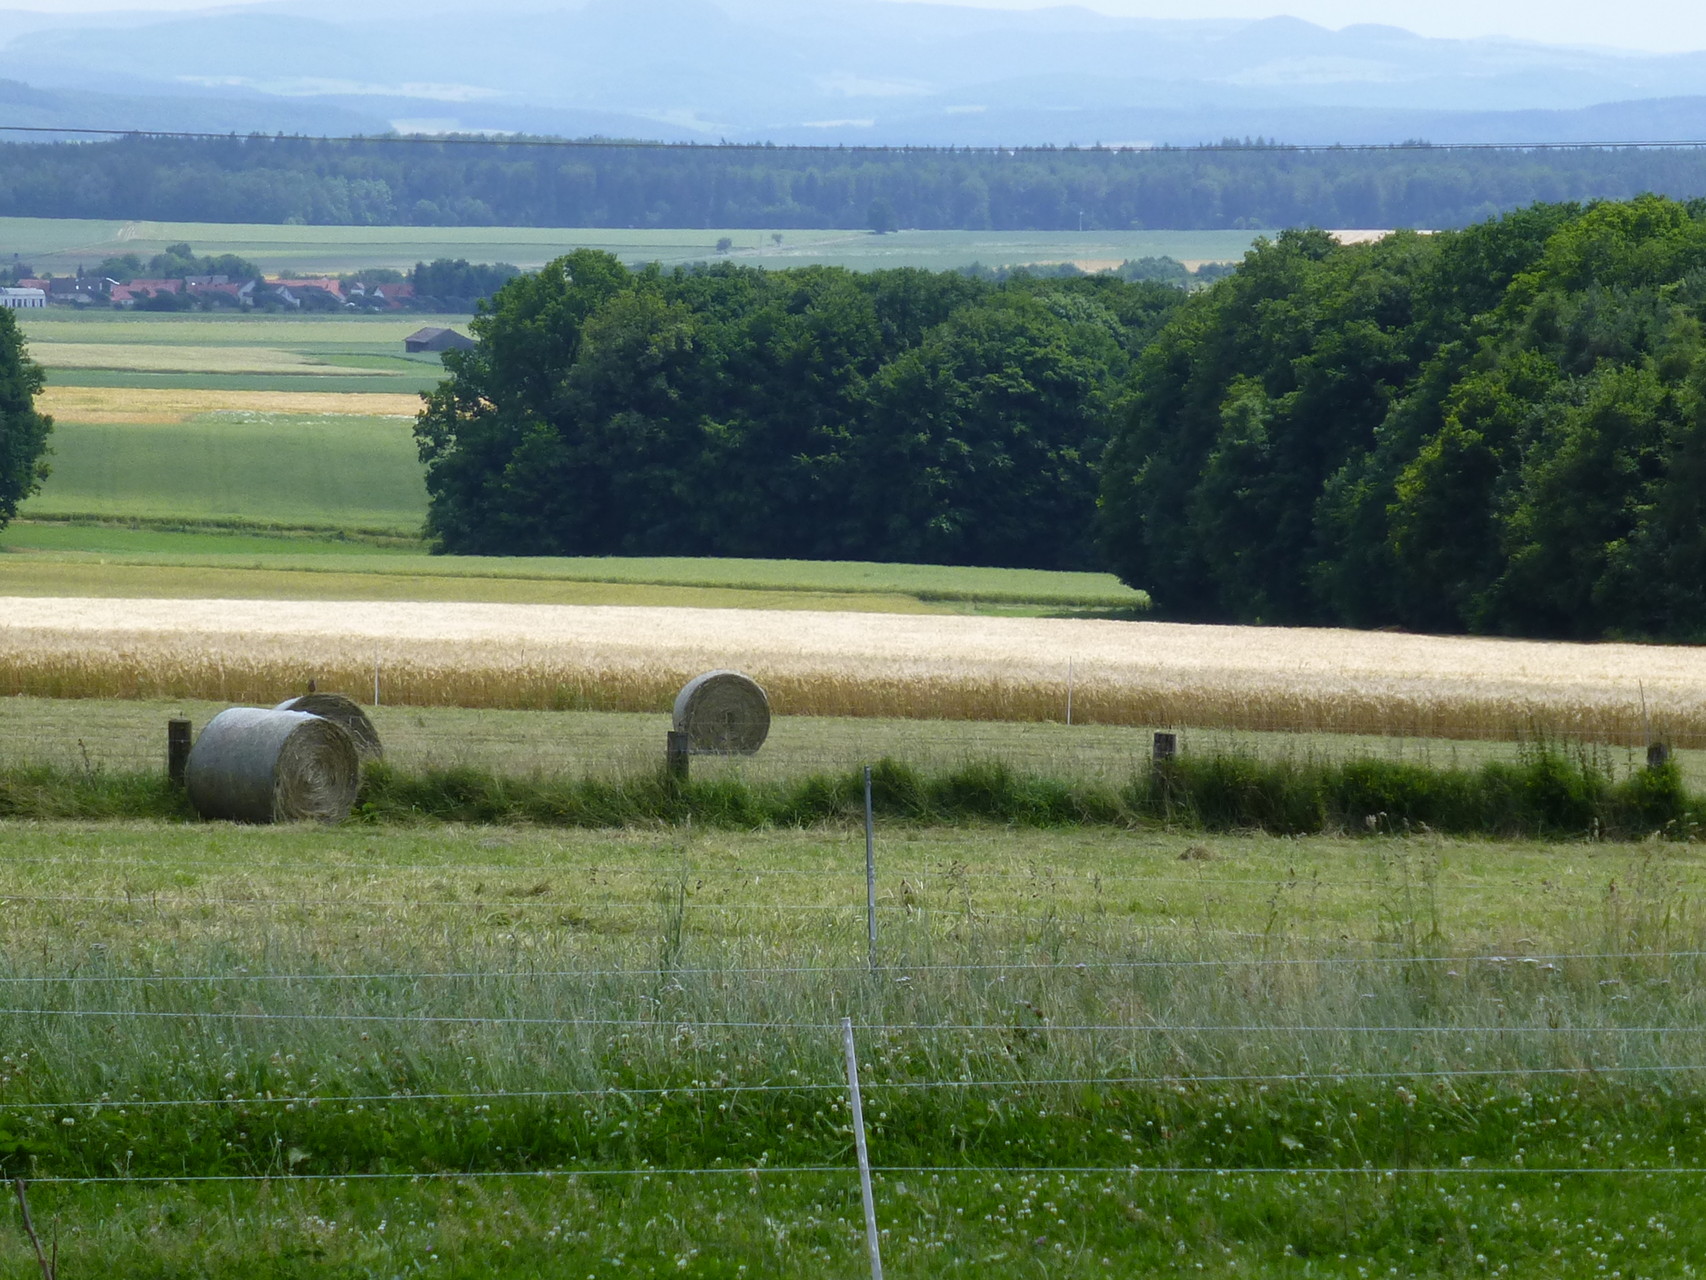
(1085, 1053)
(330, 471)
(129, 734)
(236, 556)
(60, 245)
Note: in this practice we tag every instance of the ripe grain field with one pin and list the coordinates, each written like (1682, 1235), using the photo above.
(860, 664)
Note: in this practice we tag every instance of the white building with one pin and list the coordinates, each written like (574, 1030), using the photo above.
(16, 299)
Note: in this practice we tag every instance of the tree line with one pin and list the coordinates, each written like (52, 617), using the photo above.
(1500, 430)
(375, 183)
(817, 413)
(444, 284)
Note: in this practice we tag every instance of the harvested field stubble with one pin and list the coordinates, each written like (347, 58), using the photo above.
(842, 664)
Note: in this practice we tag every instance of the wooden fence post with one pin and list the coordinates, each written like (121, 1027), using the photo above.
(177, 750)
(678, 754)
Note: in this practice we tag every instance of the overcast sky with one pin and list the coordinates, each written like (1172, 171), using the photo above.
(1664, 25)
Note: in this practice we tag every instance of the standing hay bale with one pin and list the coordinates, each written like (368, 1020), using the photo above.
(723, 713)
(341, 710)
(255, 765)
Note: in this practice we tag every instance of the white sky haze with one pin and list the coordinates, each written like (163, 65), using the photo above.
(1671, 26)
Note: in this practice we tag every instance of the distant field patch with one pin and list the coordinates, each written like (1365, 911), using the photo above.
(61, 246)
(344, 332)
(160, 557)
(143, 405)
(179, 359)
(335, 471)
(174, 352)
(323, 381)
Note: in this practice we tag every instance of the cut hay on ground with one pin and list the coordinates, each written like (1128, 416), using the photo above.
(850, 664)
(121, 405)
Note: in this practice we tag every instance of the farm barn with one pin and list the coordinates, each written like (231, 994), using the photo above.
(432, 339)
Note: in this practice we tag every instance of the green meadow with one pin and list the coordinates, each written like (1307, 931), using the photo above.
(498, 1051)
(61, 246)
(252, 469)
(303, 555)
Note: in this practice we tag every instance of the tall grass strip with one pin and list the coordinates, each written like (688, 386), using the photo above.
(1549, 794)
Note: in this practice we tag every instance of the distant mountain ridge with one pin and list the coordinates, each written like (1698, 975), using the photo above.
(838, 72)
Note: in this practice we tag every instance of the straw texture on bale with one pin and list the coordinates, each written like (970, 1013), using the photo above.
(255, 765)
(723, 713)
(341, 711)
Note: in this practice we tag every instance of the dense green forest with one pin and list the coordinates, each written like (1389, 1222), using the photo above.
(1500, 429)
(276, 180)
(817, 413)
(1497, 430)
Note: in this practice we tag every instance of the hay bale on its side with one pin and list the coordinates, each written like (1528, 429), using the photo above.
(255, 765)
(341, 710)
(723, 713)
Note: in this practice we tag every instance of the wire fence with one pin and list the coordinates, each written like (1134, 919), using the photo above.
(131, 737)
(1030, 1089)
(1516, 1046)
(892, 969)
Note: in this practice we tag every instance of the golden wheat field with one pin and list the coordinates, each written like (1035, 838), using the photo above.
(154, 406)
(846, 664)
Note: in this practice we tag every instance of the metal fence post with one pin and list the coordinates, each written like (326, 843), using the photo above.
(873, 1242)
(870, 873)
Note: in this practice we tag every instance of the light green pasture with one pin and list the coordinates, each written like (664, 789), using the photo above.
(331, 471)
(56, 557)
(60, 246)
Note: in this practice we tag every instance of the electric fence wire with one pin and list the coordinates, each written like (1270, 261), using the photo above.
(897, 969)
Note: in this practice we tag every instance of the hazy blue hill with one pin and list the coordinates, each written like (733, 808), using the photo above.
(206, 112)
(761, 69)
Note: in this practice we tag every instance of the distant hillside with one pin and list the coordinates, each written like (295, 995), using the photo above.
(200, 112)
(833, 71)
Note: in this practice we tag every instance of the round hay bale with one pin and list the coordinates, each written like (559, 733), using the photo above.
(341, 710)
(723, 713)
(255, 765)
